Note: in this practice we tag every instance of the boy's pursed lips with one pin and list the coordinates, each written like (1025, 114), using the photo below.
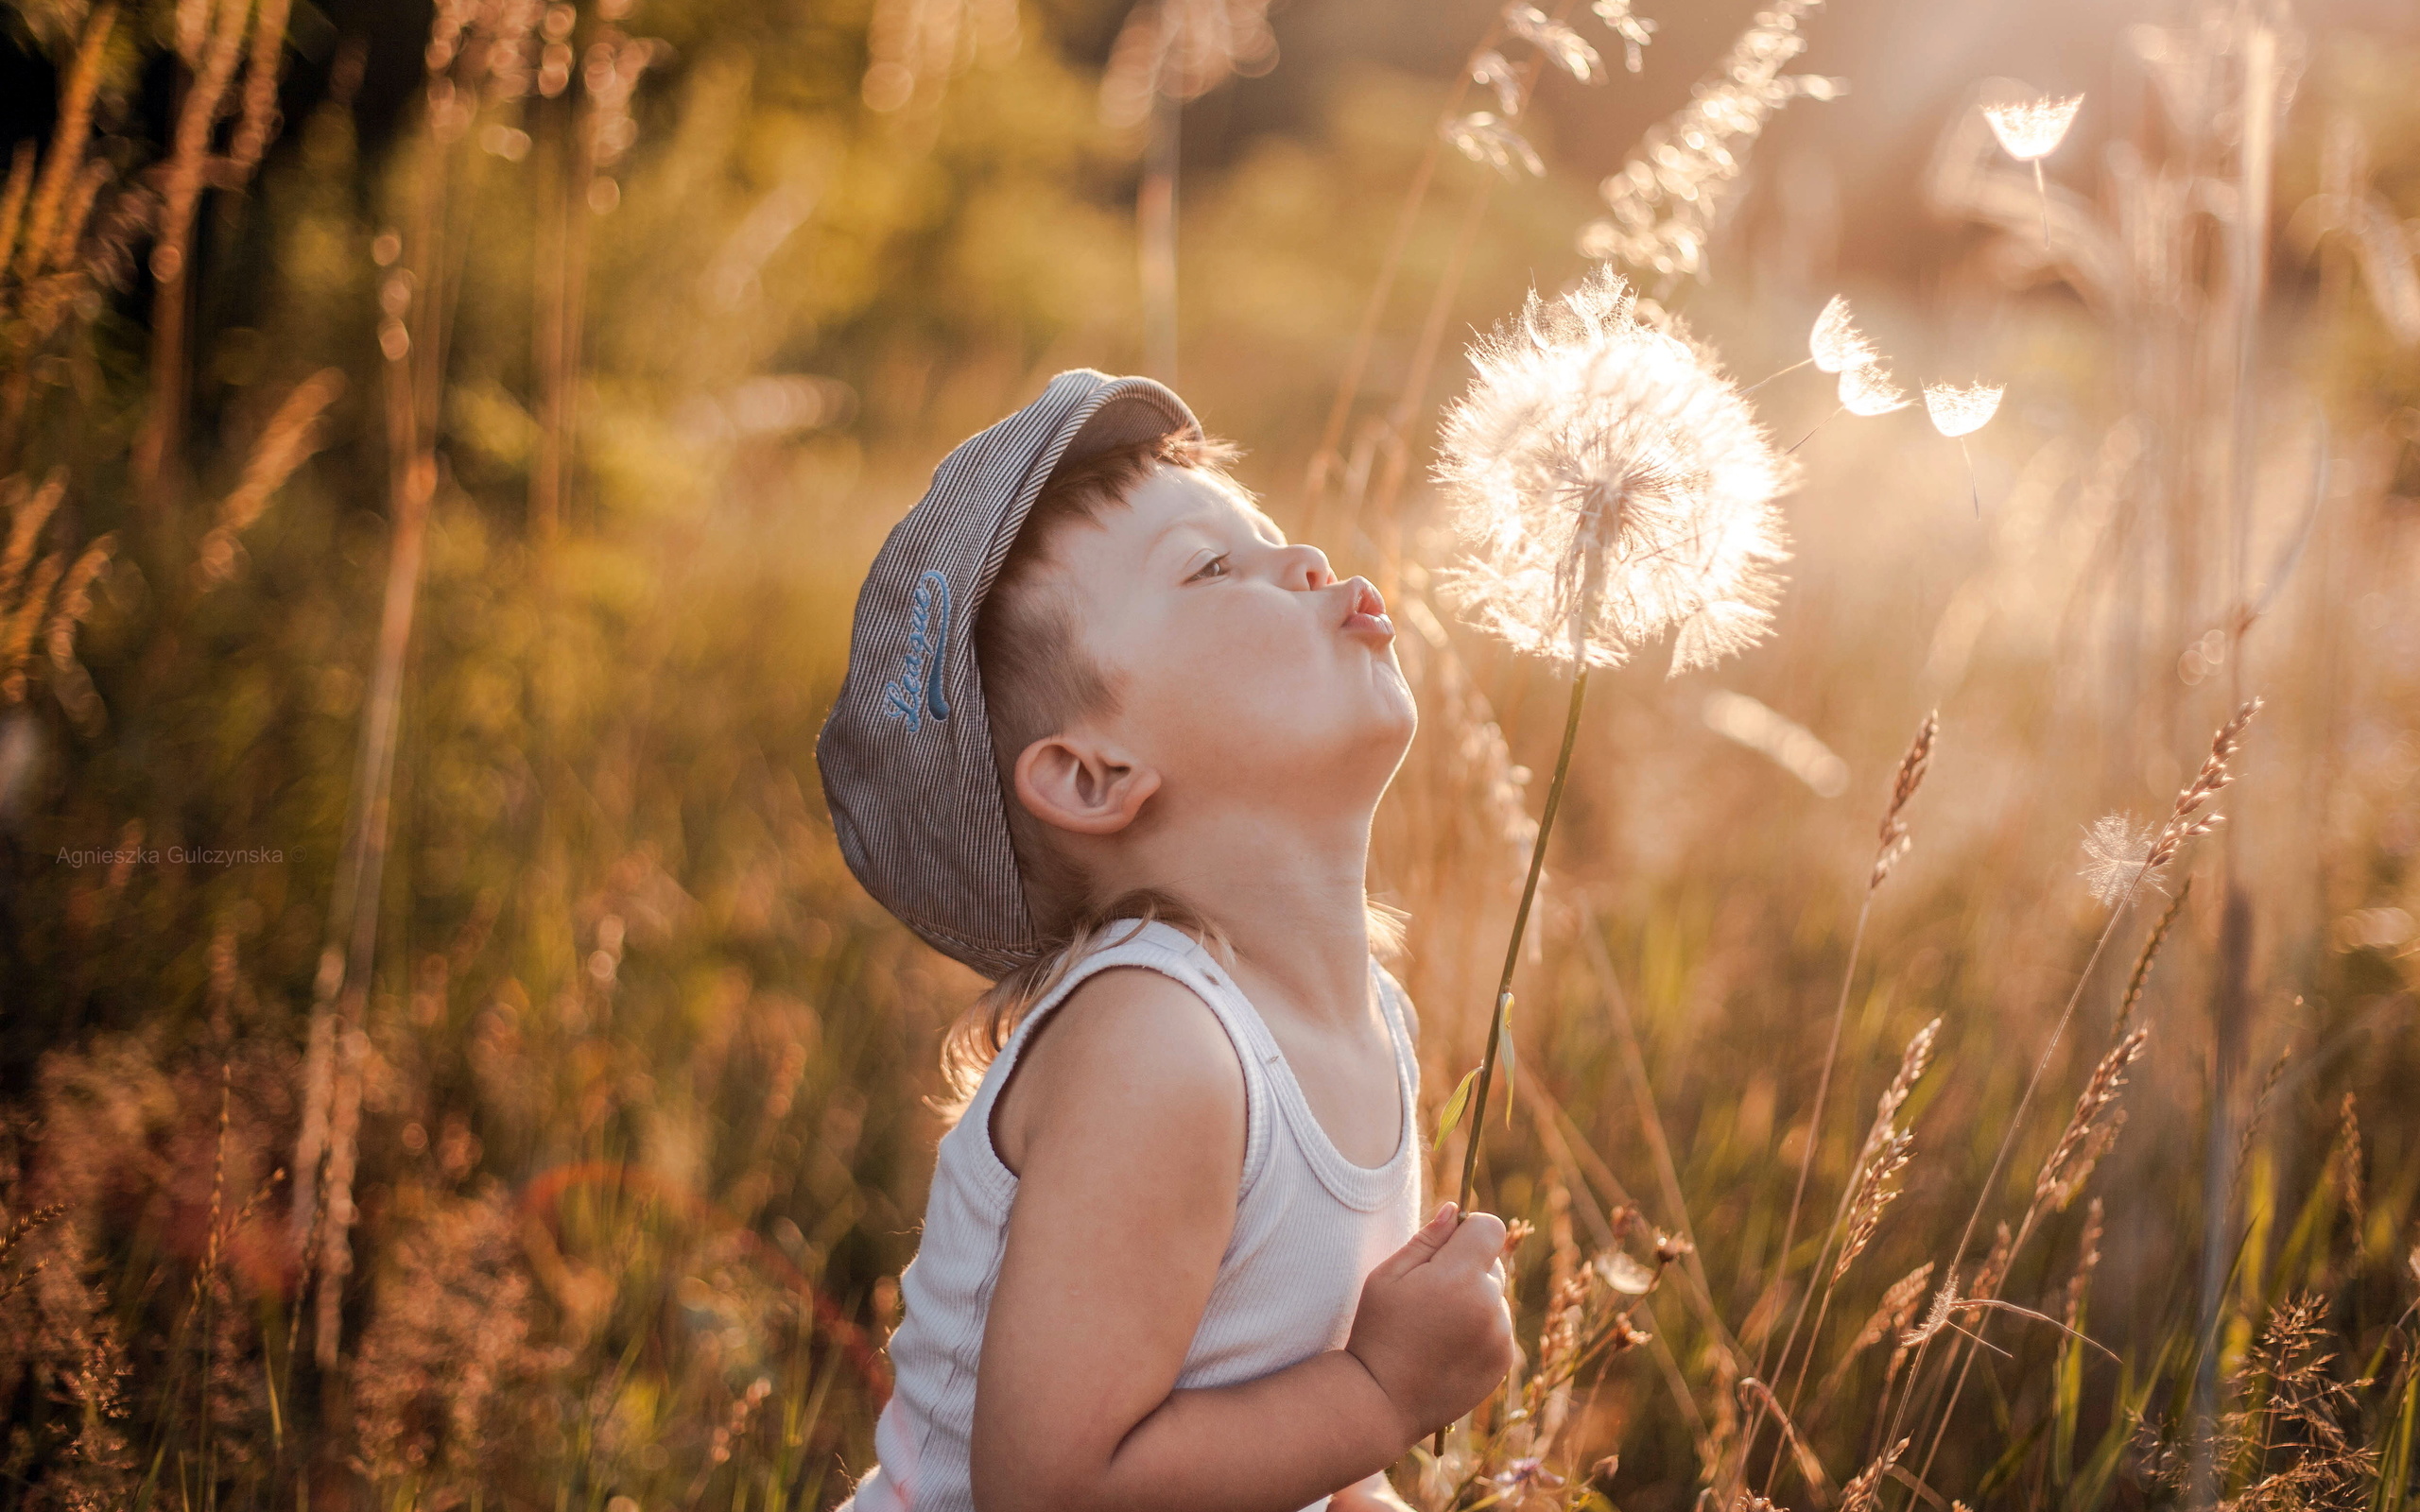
(1365, 612)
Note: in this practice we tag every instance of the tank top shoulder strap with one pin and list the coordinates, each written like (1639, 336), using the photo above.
(1174, 954)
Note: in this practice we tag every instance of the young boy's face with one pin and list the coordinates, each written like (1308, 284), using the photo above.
(1240, 663)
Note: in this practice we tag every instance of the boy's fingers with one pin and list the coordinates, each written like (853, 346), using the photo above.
(1422, 1247)
(1478, 1242)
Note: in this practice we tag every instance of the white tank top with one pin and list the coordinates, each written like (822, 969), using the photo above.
(1309, 1227)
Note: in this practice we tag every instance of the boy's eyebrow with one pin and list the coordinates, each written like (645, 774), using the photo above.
(1196, 521)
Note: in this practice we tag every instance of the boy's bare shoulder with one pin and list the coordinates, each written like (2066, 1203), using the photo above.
(1129, 1044)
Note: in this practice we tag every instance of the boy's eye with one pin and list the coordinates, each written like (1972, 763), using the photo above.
(1214, 567)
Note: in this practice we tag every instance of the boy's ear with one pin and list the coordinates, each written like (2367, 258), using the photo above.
(1084, 786)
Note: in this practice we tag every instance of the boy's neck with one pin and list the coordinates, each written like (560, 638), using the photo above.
(1289, 895)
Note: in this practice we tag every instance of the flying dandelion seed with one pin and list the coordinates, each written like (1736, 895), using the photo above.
(1869, 391)
(1865, 391)
(1957, 413)
(1835, 345)
(1607, 486)
(2117, 854)
(2030, 130)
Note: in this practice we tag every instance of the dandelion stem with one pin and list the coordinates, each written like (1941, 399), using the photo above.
(1520, 927)
(2042, 193)
(1811, 434)
(1477, 1113)
(1783, 374)
(1973, 490)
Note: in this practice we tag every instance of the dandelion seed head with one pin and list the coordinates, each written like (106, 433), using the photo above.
(1608, 486)
(1962, 411)
(2032, 128)
(2116, 850)
(1868, 390)
(1836, 344)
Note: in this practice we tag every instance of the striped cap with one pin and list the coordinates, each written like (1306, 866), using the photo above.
(906, 755)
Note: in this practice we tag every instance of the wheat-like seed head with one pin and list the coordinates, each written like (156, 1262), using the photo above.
(1994, 1269)
(1484, 137)
(2091, 1130)
(1864, 1493)
(2348, 1162)
(1962, 411)
(2087, 1260)
(1607, 486)
(1564, 48)
(1635, 31)
(1897, 1309)
(2188, 820)
(1868, 390)
(1492, 69)
(1913, 768)
(2032, 128)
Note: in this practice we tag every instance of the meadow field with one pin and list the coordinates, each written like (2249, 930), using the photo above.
(444, 1062)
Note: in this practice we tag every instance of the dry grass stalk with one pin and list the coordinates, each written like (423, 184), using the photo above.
(292, 435)
(62, 164)
(1809, 1466)
(1872, 1194)
(78, 210)
(1898, 1308)
(1994, 1269)
(25, 529)
(1910, 777)
(2346, 1160)
(1894, 842)
(259, 121)
(2088, 1261)
(21, 1229)
(2140, 977)
(1864, 1493)
(2188, 820)
(17, 637)
(1667, 194)
(2259, 1114)
(69, 682)
(2091, 1130)
(2289, 1441)
(12, 200)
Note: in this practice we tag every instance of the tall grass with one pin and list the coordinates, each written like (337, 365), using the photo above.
(434, 533)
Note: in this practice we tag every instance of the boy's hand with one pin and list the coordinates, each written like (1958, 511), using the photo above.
(1432, 1328)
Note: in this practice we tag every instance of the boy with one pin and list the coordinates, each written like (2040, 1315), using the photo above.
(1109, 739)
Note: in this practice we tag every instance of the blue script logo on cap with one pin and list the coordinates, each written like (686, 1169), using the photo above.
(917, 691)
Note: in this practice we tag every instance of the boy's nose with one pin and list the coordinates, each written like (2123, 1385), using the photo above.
(1306, 568)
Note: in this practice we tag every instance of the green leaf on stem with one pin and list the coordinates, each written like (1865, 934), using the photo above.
(1453, 1113)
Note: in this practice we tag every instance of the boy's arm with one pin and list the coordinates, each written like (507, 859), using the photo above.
(1126, 1126)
